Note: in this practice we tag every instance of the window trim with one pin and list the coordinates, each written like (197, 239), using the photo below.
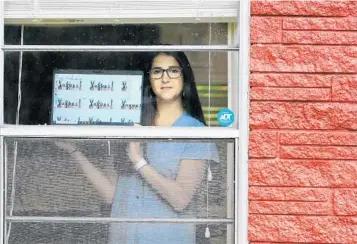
(241, 160)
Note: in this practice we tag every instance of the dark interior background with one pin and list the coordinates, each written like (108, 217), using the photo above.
(37, 67)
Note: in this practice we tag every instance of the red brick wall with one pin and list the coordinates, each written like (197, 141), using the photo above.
(303, 141)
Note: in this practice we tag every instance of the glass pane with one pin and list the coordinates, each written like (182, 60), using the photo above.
(11, 77)
(96, 178)
(144, 34)
(12, 35)
(37, 79)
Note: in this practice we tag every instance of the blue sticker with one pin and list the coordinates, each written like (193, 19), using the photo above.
(225, 117)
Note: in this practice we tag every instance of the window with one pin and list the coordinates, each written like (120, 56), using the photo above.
(46, 195)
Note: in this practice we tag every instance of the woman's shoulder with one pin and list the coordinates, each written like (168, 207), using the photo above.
(188, 120)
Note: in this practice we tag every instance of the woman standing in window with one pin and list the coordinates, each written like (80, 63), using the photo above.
(168, 174)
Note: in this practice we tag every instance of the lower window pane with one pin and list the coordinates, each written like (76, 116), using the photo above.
(97, 178)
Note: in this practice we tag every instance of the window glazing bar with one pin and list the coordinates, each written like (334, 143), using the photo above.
(142, 132)
(39, 219)
(118, 48)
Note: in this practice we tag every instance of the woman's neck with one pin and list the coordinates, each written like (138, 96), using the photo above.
(168, 113)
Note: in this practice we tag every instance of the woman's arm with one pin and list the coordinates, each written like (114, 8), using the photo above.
(179, 192)
(104, 184)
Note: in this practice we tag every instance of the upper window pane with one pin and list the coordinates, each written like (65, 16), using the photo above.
(38, 81)
(143, 34)
(37, 68)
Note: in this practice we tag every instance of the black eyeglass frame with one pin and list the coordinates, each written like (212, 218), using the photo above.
(165, 70)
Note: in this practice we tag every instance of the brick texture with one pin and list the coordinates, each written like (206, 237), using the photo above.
(289, 194)
(319, 37)
(345, 202)
(344, 88)
(318, 152)
(303, 58)
(303, 173)
(263, 144)
(293, 94)
(291, 80)
(303, 116)
(304, 8)
(303, 229)
(330, 24)
(303, 121)
(294, 208)
(266, 29)
(318, 138)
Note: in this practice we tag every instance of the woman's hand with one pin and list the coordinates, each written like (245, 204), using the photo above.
(104, 184)
(67, 146)
(70, 148)
(134, 151)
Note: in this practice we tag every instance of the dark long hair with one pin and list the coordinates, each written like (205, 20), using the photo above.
(190, 100)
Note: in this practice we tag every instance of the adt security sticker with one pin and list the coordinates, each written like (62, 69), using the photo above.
(225, 117)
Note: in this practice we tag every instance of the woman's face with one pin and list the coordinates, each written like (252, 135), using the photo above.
(167, 88)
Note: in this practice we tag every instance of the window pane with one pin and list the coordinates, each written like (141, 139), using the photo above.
(11, 77)
(210, 70)
(145, 34)
(75, 178)
(12, 35)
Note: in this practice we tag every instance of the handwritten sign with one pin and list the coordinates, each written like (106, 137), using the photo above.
(97, 97)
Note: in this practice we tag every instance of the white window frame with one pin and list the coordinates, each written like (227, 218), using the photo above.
(239, 83)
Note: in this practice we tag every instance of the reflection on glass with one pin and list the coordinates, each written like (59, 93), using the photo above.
(98, 178)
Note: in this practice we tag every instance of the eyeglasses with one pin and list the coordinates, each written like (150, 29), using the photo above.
(172, 72)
